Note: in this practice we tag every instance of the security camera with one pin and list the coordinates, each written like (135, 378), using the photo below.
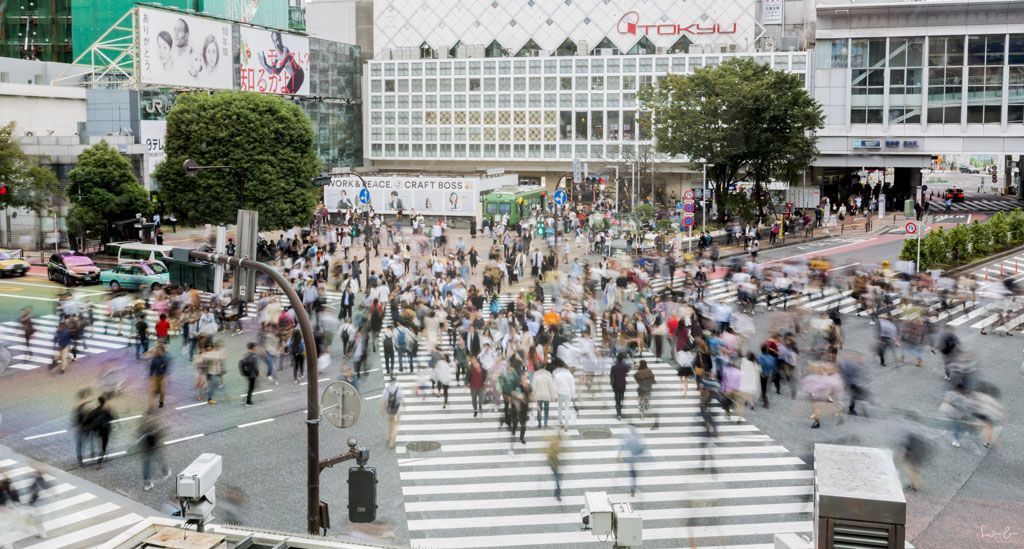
(196, 489)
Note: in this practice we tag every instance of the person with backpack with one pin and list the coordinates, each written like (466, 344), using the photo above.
(158, 366)
(101, 422)
(376, 321)
(402, 339)
(388, 344)
(392, 403)
(250, 370)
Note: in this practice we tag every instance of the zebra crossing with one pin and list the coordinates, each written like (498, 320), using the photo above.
(106, 333)
(982, 205)
(483, 488)
(72, 515)
(982, 314)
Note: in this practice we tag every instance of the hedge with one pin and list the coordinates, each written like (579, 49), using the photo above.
(945, 249)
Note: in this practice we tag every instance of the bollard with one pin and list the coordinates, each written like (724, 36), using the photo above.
(1015, 265)
(1000, 269)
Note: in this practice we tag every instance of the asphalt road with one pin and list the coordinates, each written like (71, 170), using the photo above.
(968, 493)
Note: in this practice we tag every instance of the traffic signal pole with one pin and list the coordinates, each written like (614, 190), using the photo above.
(312, 400)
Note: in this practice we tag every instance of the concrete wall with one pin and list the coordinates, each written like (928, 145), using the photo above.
(42, 110)
(346, 21)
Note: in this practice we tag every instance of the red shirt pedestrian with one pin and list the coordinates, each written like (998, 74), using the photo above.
(163, 327)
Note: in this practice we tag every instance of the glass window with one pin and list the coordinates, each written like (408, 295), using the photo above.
(565, 83)
(417, 102)
(535, 83)
(389, 85)
(474, 84)
(613, 125)
(629, 82)
(867, 80)
(905, 79)
(1015, 76)
(628, 125)
(565, 124)
(489, 84)
(459, 85)
(597, 83)
(416, 85)
(597, 125)
(430, 69)
(430, 85)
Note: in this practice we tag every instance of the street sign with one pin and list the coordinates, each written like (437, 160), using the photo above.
(679, 205)
(688, 194)
(911, 227)
(688, 221)
(561, 197)
(577, 170)
(247, 228)
(364, 196)
(688, 207)
(340, 404)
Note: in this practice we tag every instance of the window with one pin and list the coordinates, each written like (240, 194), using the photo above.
(867, 81)
(567, 47)
(906, 58)
(681, 46)
(565, 83)
(597, 83)
(605, 45)
(613, 125)
(494, 49)
(1015, 100)
(644, 46)
(529, 49)
(628, 125)
(426, 52)
(474, 84)
(581, 125)
(985, 55)
(629, 82)
(565, 124)
(597, 125)
(945, 79)
(456, 50)
(389, 85)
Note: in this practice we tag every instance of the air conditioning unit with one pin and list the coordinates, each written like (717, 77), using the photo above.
(769, 44)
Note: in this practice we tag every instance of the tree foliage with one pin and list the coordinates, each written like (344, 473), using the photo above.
(29, 185)
(268, 138)
(747, 119)
(103, 190)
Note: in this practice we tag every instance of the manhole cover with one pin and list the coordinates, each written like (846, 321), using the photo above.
(596, 433)
(423, 446)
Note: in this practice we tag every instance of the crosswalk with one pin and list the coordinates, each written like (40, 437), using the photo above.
(982, 314)
(105, 334)
(484, 489)
(71, 515)
(982, 205)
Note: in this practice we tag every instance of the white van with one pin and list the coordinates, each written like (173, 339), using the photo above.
(137, 251)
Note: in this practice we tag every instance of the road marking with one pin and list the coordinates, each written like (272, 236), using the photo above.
(821, 251)
(843, 267)
(264, 391)
(304, 383)
(186, 406)
(50, 299)
(374, 397)
(107, 456)
(244, 425)
(129, 418)
(183, 439)
(44, 435)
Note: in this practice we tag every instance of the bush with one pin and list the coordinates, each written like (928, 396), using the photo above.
(963, 243)
(644, 212)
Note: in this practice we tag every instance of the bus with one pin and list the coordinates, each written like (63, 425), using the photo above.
(517, 202)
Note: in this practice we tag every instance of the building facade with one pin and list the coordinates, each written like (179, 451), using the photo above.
(533, 85)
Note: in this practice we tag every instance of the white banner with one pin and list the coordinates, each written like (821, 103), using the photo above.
(152, 135)
(772, 12)
(425, 195)
(273, 62)
(184, 50)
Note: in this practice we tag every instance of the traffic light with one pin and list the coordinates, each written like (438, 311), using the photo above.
(362, 494)
(995, 178)
(3, 189)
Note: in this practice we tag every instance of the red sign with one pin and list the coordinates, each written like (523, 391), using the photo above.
(629, 24)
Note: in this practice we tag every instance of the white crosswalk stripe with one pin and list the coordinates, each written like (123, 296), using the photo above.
(105, 334)
(71, 516)
(737, 491)
(980, 205)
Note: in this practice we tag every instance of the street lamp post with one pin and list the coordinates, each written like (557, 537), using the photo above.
(704, 199)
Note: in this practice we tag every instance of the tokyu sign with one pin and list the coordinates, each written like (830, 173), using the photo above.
(630, 23)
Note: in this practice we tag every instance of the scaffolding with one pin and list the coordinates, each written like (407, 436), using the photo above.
(112, 59)
(36, 29)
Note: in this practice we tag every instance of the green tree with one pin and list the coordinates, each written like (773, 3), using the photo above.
(29, 185)
(103, 190)
(266, 137)
(744, 117)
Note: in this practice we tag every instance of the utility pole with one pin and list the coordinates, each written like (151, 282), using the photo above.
(312, 387)
(616, 187)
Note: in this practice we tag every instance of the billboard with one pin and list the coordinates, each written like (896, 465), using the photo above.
(152, 134)
(273, 62)
(184, 50)
(442, 195)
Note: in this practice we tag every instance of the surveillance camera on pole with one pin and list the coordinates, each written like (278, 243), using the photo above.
(196, 489)
(612, 522)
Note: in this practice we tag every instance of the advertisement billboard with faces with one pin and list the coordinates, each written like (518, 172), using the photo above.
(273, 62)
(441, 195)
(184, 51)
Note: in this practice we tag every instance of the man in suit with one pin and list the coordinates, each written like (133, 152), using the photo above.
(348, 298)
(473, 341)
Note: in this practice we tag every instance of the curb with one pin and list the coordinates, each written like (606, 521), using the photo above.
(985, 260)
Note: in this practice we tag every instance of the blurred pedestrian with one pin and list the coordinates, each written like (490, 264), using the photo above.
(544, 391)
(150, 441)
(618, 381)
(249, 367)
(159, 364)
(630, 451)
(391, 402)
(554, 459)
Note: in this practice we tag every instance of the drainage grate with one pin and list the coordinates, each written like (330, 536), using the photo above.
(423, 446)
(596, 433)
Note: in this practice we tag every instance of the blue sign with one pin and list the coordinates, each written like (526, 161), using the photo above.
(561, 197)
(364, 196)
(688, 221)
(867, 144)
(688, 207)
